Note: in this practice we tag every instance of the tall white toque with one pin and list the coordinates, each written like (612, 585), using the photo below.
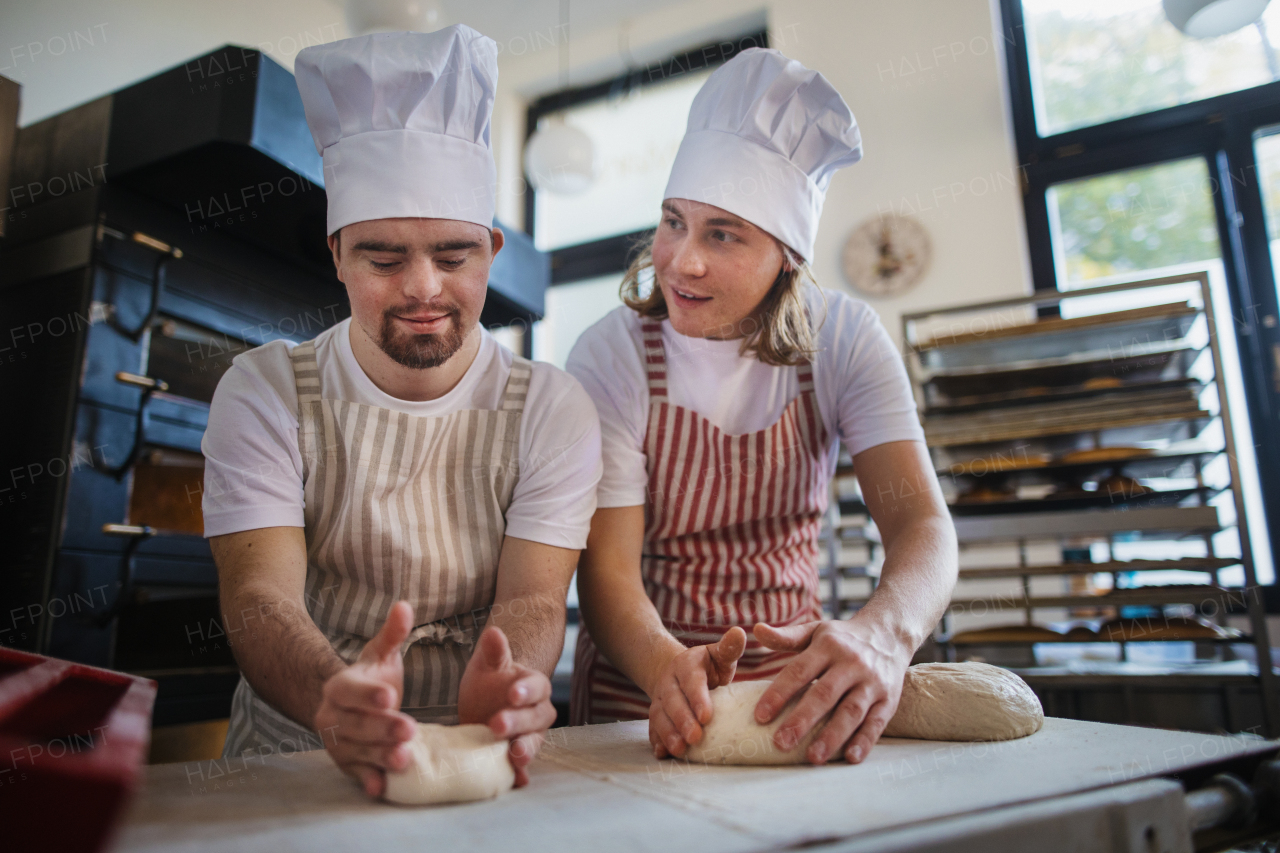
(765, 135)
(402, 123)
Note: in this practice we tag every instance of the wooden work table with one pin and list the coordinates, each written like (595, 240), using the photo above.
(599, 788)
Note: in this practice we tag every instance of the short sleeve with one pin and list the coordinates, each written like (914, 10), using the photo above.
(873, 400)
(253, 468)
(607, 363)
(555, 495)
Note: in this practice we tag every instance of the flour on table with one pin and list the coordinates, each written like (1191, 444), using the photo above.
(452, 764)
(940, 701)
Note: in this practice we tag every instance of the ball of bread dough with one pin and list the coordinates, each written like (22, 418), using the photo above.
(965, 701)
(940, 701)
(734, 737)
(452, 764)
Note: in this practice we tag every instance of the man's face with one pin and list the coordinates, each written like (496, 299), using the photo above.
(714, 268)
(416, 285)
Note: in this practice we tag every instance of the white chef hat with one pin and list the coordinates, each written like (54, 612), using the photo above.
(402, 123)
(765, 135)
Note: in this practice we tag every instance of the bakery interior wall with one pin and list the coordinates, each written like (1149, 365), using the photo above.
(923, 77)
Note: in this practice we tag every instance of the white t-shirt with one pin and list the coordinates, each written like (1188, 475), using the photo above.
(253, 468)
(863, 392)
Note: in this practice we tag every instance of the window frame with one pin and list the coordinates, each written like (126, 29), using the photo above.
(1219, 129)
(614, 254)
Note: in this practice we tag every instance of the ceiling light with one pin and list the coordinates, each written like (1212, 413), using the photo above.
(1204, 19)
(394, 16)
(559, 157)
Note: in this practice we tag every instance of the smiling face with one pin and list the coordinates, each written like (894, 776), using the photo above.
(714, 268)
(416, 285)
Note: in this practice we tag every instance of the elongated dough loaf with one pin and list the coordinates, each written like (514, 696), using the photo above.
(452, 764)
(965, 701)
(940, 701)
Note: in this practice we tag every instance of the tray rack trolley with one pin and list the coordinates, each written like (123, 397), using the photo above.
(1030, 407)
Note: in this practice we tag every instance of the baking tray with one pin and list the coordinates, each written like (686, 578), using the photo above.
(1159, 464)
(940, 405)
(1086, 421)
(1061, 337)
(1148, 363)
(1151, 596)
(1185, 564)
(1167, 497)
(1154, 523)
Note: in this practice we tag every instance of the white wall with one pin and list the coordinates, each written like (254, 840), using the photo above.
(935, 134)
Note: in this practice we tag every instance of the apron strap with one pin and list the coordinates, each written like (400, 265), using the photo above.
(513, 396)
(804, 376)
(655, 361)
(306, 372)
(306, 376)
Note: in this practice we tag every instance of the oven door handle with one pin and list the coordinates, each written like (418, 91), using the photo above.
(167, 253)
(137, 533)
(149, 386)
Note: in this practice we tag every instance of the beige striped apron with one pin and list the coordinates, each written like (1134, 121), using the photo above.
(396, 507)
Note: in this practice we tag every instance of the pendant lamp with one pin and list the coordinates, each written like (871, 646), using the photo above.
(560, 158)
(394, 16)
(1204, 19)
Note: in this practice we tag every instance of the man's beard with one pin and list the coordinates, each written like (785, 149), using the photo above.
(419, 352)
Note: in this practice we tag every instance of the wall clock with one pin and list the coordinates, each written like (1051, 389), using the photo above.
(886, 256)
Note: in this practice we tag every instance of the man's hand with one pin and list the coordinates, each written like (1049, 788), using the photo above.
(361, 705)
(513, 700)
(680, 702)
(855, 669)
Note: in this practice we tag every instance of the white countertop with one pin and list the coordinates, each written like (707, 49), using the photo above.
(599, 788)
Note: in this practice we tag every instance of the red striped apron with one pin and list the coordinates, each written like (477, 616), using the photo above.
(731, 535)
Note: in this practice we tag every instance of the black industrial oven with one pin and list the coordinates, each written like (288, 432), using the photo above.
(149, 237)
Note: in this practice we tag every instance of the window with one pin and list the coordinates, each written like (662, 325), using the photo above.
(1145, 152)
(1097, 60)
(1138, 223)
(636, 122)
(571, 310)
(636, 137)
(1147, 223)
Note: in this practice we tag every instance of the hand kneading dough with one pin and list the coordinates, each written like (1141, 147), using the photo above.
(940, 701)
(452, 764)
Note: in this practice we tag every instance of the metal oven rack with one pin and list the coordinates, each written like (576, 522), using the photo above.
(849, 544)
(1084, 433)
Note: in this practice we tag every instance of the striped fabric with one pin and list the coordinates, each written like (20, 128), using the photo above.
(397, 507)
(731, 534)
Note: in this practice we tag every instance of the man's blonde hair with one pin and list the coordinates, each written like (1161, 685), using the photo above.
(778, 332)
